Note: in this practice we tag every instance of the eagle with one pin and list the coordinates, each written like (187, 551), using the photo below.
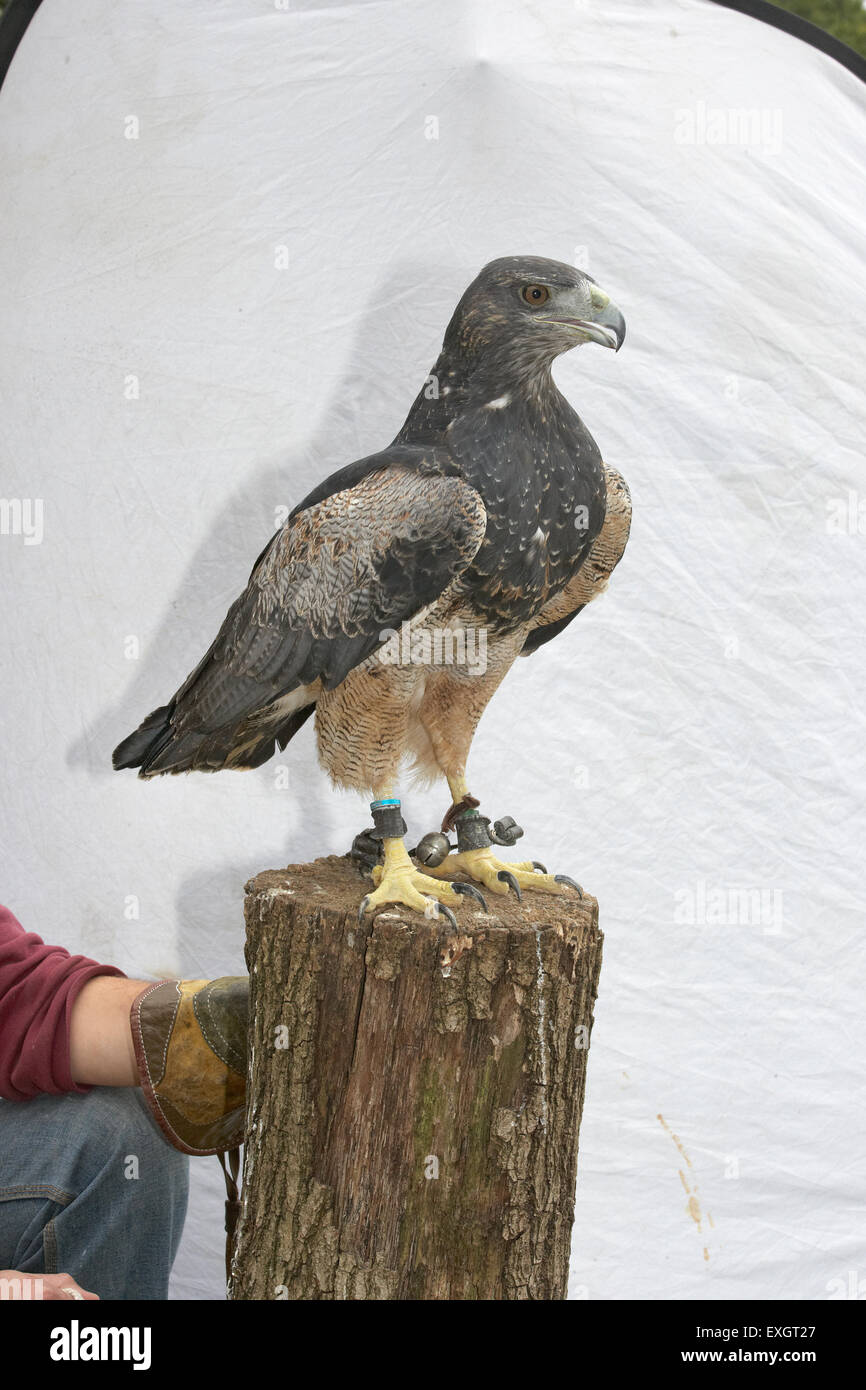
(401, 590)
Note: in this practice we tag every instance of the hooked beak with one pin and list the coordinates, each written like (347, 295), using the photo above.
(606, 326)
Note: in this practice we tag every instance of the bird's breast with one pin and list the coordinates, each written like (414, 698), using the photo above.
(545, 502)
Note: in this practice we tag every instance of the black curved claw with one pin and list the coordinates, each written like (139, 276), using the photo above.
(563, 878)
(447, 914)
(505, 877)
(537, 864)
(470, 891)
(362, 909)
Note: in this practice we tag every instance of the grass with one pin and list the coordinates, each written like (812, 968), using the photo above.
(845, 19)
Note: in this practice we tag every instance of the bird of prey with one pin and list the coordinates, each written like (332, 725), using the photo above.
(491, 516)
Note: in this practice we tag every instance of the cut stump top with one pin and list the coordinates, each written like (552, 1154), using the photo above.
(336, 884)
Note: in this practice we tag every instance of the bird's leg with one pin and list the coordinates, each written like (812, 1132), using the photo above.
(475, 857)
(400, 881)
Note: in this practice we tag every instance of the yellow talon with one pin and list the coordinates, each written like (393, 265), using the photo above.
(483, 866)
(399, 881)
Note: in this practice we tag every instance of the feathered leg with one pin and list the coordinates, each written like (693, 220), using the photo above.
(449, 718)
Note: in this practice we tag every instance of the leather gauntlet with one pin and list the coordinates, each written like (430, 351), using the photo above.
(191, 1047)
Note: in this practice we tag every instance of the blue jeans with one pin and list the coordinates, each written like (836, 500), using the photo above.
(89, 1187)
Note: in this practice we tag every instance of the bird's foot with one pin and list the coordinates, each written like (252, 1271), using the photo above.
(401, 883)
(485, 867)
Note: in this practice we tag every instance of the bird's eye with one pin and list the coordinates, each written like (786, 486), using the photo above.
(535, 294)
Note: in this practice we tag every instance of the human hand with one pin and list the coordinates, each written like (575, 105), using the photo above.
(47, 1287)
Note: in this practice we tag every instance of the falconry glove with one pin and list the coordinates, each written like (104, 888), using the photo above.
(191, 1048)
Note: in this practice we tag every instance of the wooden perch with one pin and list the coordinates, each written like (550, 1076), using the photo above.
(414, 1093)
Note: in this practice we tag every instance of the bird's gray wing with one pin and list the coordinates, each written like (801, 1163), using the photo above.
(362, 559)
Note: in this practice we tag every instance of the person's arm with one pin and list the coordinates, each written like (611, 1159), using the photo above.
(68, 1023)
(39, 989)
(101, 1050)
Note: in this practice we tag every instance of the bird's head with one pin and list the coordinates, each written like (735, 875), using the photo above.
(521, 312)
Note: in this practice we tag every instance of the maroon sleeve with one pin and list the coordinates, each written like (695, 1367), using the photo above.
(38, 986)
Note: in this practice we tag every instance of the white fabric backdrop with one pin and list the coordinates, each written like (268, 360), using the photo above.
(166, 387)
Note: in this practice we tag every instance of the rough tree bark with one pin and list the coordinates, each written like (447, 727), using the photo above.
(415, 1093)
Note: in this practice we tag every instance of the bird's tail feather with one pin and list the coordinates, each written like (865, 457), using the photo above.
(133, 751)
(156, 747)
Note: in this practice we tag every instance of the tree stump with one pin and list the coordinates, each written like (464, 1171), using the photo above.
(414, 1093)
